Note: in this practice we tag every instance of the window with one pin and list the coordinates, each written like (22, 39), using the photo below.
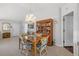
(6, 26)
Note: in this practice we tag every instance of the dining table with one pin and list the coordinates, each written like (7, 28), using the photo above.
(34, 47)
(34, 42)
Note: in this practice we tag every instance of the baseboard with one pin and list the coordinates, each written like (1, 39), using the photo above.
(58, 45)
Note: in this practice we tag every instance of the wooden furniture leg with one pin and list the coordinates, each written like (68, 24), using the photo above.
(34, 49)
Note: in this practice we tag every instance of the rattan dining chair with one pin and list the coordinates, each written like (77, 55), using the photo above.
(42, 46)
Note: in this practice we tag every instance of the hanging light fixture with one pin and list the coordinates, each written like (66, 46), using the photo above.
(30, 17)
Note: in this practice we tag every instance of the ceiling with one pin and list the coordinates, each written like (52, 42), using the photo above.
(18, 11)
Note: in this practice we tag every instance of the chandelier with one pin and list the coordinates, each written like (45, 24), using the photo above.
(30, 17)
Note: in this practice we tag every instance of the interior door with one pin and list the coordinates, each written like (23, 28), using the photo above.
(68, 30)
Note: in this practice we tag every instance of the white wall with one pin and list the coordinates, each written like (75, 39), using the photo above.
(78, 21)
(78, 28)
(12, 12)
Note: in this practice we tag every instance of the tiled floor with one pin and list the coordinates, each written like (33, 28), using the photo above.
(9, 47)
(58, 51)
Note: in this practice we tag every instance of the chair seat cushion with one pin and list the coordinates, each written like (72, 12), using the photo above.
(39, 47)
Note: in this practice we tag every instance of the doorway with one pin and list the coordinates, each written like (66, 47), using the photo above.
(68, 32)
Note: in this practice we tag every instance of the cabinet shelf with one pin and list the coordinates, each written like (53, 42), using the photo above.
(46, 26)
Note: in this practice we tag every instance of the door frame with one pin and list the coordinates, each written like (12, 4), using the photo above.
(64, 30)
(71, 8)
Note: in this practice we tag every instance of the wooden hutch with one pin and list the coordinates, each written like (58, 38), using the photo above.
(46, 28)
